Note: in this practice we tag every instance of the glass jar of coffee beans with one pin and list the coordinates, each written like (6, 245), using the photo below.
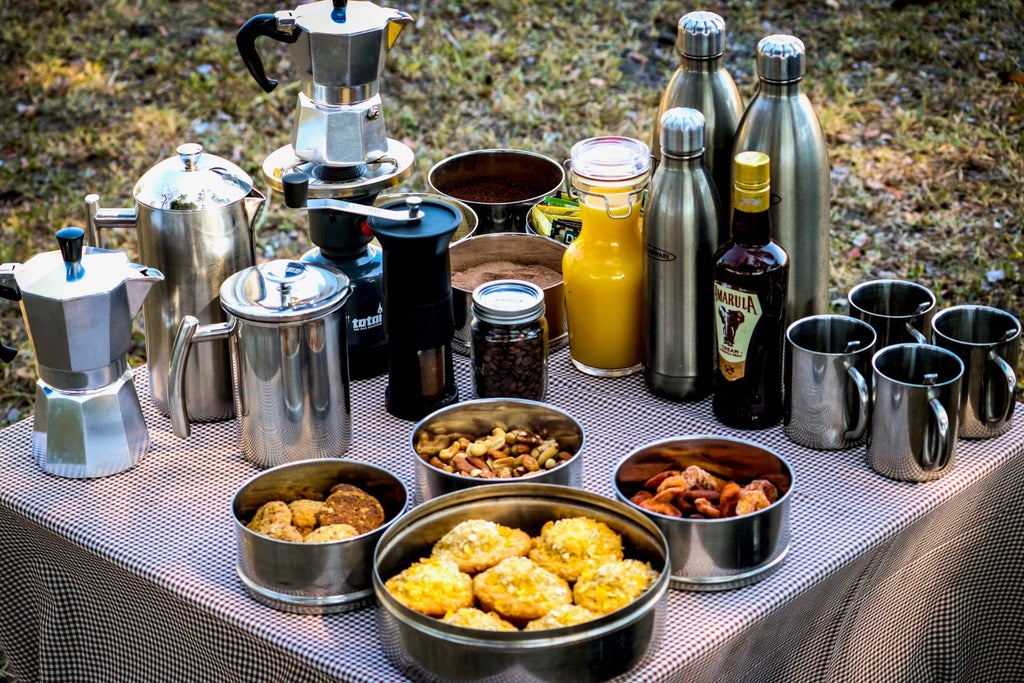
(509, 340)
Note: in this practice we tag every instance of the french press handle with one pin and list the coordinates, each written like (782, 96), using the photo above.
(280, 27)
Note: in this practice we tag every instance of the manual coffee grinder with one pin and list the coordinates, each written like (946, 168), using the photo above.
(78, 304)
(418, 318)
(418, 313)
(340, 143)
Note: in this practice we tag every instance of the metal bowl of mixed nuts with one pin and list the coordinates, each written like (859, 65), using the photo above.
(495, 440)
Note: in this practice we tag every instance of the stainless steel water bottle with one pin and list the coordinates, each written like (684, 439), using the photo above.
(680, 237)
(703, 83)
(781, 122)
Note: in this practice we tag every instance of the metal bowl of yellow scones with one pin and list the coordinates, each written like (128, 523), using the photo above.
(722, 503)
(496, 440)
(305, 532)
(521, 581)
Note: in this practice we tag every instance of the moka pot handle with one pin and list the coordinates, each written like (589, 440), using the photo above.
(280, 26)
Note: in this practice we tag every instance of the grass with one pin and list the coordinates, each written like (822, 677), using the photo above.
(924, 136)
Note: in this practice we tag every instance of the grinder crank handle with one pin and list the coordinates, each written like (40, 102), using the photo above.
(296, 196)
(280, 26)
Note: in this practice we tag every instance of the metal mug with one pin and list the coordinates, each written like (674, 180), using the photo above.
(987, 340)
(289, 360)
(916, 394)
(899, 310)
(828, 367)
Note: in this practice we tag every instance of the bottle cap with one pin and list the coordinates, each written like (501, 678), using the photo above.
(682, 132)
(508, 302)
(752, 170)
(780, 58)
(701, 35)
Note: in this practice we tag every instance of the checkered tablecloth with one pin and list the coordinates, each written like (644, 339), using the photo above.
(132, 577)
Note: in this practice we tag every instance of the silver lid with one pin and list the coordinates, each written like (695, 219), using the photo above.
(352, 19)
(682, 132)
(284, 291)
(97, 272)
(780, 58)
(701, 35)
(192, 181)
(508, 302)
(610, 158)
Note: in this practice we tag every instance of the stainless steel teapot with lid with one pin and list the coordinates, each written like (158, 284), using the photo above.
(78, 304)
(286, 330)
(194, 215)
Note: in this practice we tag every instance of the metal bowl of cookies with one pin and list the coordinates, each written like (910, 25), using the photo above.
(521, 582)
(305, 532)
(722, 503)
(496, 440)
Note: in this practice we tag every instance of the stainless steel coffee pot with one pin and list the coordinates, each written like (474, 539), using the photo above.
(194, 214)
(287, 334)
(339, 48)
(78, 304)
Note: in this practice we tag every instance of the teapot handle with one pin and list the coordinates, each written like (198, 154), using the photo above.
(262, 25)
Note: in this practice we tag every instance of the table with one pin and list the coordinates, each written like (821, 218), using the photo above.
(131, 577)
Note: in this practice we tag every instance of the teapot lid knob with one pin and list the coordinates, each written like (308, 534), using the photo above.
(189, 155)
(71, 241)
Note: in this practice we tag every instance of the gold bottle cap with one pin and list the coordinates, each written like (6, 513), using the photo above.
(751, 171)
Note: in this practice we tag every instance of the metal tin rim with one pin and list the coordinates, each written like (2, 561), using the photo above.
(520, 639)
(725, 581)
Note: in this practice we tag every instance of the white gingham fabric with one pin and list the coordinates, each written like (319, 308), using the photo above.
(132, 577)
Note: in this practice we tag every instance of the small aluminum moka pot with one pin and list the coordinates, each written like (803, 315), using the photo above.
(289, 361)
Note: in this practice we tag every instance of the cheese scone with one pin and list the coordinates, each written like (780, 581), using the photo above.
(569, 546)
(611, 586)
(478, 544)
(432, 586)
(471, 617)
(566, 615)
(519, 590)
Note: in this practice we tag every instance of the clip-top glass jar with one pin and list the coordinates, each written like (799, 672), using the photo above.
(603, 267)
(509, 340)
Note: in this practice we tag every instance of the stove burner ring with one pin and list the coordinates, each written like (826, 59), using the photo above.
(338, 174)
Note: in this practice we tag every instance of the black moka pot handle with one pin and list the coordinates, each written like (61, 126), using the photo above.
(7, 353)
(261, 25)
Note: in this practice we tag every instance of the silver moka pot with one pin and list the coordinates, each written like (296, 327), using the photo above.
(286, 330)
(78, 304)
(194, 215)
(339, 48)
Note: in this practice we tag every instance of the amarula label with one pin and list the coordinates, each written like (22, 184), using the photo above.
(738, 312)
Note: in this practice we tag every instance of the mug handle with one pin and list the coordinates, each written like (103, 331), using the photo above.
(916, 334)
(863, 405)
(1003, 370)
(938, 449)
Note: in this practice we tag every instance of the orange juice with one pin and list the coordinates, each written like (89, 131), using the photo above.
(603, 267)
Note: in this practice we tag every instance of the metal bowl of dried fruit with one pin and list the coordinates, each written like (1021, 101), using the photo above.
(496, 440)
(440, 620)
(305, 532)
(722, 503)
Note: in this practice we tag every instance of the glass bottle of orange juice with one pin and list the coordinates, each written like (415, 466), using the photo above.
(603, 267)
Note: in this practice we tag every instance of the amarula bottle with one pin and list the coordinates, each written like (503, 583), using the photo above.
(603, 267)
(751, 277)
